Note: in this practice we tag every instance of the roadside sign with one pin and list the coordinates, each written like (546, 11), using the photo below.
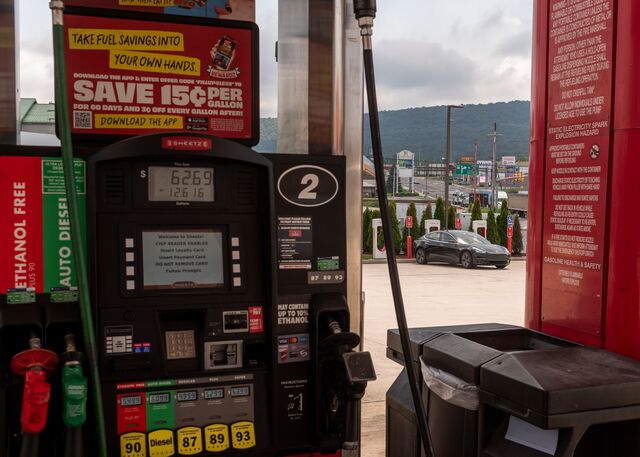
(409, 222)
(510, 220)
(464, 168)
(510, 231)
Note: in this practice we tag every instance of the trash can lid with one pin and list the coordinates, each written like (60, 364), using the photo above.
(567, 380)
(419, 336)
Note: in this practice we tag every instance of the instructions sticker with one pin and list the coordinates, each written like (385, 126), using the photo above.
(216, 438)
(243, 435)
(133, 445)
(189, 441)
(161, 443)
(294, 243)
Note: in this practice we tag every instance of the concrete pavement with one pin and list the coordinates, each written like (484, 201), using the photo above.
(434, 295)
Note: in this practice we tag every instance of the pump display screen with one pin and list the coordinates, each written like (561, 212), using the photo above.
(155, 399)
(181, 184)
(134, 400)
(213, 394)
(240, 391)
(177, 259)
(190, 395)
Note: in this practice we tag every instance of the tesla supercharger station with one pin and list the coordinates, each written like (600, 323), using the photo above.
(583, 264)
(378, 253)
(431, 225)
(480, 227)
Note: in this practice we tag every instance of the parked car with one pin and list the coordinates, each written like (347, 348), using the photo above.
(459, 247)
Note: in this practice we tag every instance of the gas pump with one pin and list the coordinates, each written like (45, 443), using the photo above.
(221, 313)
(217, 275)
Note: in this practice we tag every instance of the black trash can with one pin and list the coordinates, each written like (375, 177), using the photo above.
(574, 402)
(450, 366)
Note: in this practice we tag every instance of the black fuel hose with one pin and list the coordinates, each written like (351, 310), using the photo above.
(365, 13)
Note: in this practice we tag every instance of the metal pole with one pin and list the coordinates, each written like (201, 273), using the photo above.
(446, 170)
(475, 171)
(494, 167)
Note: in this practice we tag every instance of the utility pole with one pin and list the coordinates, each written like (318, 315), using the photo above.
(446, 166)
(494, 167)
(475, 171)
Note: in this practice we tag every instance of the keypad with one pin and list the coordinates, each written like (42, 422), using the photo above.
(180, 344)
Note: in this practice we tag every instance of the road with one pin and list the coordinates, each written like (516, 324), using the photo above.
(435, 187)
(434, 295)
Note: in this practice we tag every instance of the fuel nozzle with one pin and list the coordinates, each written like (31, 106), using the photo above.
(34, 365)
(74, 398)
(365, 11)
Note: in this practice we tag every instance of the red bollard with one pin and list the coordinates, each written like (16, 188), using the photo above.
(409, 247)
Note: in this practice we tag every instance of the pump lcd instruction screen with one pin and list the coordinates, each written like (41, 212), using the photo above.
(189, 259)
(172, 184)
(129, 76)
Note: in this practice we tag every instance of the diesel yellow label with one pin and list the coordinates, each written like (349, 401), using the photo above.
(189, 440)
(243, 435)
(161, 443)
(216, 438)
(133, 445)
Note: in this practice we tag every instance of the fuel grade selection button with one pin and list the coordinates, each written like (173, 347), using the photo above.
(243, 435)
(161, 443)
(216, 437)
(133, 445)
(189, 440)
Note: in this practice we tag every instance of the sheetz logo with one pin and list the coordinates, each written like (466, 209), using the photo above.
(182, 143)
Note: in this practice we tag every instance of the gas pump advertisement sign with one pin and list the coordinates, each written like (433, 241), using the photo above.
(577, 164)
(36, 227)
(240, 10)
(129, 77)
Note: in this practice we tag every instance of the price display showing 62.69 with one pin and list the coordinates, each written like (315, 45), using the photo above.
(188, 184)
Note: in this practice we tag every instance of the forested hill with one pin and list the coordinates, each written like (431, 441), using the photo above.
(423, 130)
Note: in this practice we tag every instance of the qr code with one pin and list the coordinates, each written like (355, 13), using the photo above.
(82, 120)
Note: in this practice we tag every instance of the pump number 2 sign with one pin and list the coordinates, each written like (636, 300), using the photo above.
(308, 186)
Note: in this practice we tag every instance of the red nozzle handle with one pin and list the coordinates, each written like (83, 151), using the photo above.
(35, 401)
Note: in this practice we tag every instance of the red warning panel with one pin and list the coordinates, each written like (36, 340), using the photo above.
(129, 77)
(21, 228)
(577, 163)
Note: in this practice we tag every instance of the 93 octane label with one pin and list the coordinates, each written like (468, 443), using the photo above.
(189, 441)
(216, 438)
(133, 445)
(243, 435)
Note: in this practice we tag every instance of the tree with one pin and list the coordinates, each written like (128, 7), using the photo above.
(439, 214)
(502, 222)
(476, 213)
(492, 229)
(427, 213)
(391, 179)
(395, 226)
(451, 220)
(517, 245)
(375, 214)
(367, 232)
(413, 212)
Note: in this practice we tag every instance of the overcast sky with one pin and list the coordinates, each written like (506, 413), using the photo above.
(428, 52)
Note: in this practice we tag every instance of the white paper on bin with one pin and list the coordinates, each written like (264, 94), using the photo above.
(533, 437)
(451, 388)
